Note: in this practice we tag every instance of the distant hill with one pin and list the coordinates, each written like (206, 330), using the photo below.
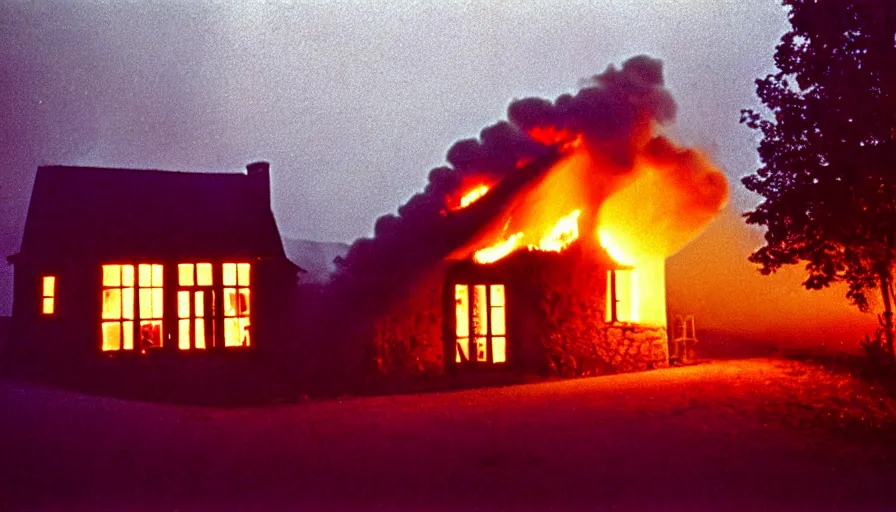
(315, 257)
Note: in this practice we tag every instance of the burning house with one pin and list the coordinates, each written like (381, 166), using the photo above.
(119, 262)
(542, 246)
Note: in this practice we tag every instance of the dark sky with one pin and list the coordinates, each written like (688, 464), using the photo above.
(351, 101)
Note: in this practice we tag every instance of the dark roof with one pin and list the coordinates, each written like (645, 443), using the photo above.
(125, 213)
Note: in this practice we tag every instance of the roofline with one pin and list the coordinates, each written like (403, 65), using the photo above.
(243, 172)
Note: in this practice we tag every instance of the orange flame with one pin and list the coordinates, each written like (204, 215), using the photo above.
(499, 250)
(640, 214)
(565, 232)
(472, 196)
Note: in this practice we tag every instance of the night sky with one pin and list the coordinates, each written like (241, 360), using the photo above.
(353, 102)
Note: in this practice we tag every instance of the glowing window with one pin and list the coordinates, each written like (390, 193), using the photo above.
(620, 296)
(237, 332)
(195, 306)
(185, 274)
(118, 308)
(480, 323)
(149, 296)
(204, 274)
(48, 295)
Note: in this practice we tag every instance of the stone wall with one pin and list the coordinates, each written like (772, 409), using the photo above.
(632, 347)
(556, 320)
(408, 339)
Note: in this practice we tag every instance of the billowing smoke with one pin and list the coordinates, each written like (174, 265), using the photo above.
(611, 120)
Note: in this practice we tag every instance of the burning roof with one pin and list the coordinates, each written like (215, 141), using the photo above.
(588, 166)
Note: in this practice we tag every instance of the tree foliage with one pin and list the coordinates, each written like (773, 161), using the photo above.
(828, 148)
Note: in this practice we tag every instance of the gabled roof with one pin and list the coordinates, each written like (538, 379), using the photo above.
(109, 213)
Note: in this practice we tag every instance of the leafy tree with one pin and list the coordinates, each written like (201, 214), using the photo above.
(828, 150)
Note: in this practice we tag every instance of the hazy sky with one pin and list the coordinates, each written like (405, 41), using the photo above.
(352, 101)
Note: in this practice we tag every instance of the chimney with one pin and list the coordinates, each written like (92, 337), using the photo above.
(260, 176)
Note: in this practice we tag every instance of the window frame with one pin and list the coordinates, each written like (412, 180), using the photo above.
(469, 357)
(48, 298)
(125, 324)
(234, 283)
(196, 314)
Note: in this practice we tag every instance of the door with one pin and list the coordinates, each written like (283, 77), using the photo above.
(195, 307)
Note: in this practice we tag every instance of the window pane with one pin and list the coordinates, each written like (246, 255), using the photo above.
(462, 350)
(199, 307)
(243, 302)
(112, 275)
(236, 332)
(480, 314)
(498, 327)
(127, 275)
(150, 334)
(204, 274)
(183, 334)
(229, 277)
(609, 311)
(497, 292)
(481, 354)
(128, 335)
(49, 286)
(200, 333)
(230, 305)
(245, 332)
(231, 332)
(111, 336)
(48, 306)
(183, 304)
(499, 349)
(157, 275)
(461, 311)
(127, 303)
(144, 275)
(145, 303)
(624, 297)
(112, 304)
(157, 303)
(185, 274)
(243, 274)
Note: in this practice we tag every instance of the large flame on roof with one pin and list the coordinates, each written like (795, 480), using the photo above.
(586, 168)
(639, 215)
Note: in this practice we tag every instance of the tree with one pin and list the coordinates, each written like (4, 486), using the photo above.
(828, 150)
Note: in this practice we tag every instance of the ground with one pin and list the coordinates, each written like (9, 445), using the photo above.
(729, 435)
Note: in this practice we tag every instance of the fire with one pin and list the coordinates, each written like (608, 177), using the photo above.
(472, 196)
(565, 232)
(609, 244)
(472, 190)
(639, 215)
(499, 250)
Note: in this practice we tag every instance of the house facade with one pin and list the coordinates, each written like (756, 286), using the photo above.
(532, 312)
(131, 263)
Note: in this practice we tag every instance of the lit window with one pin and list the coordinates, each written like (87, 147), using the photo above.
(235, 277)
(48, 295)
(621, 297)
(195, 306)
(480, 323)
(118, 307)
(150, 294)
